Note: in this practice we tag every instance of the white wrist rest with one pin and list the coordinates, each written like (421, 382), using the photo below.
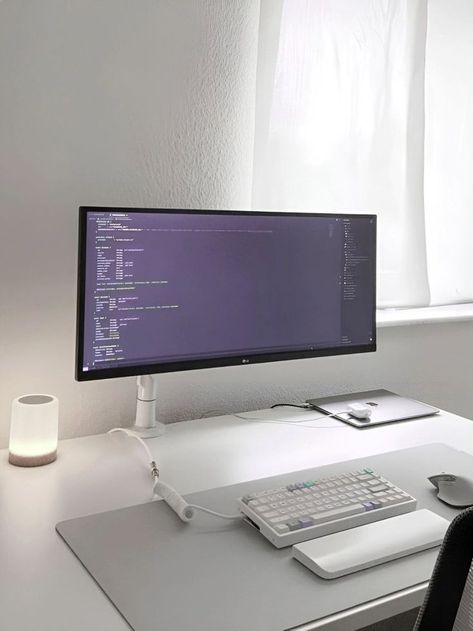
(365, 546)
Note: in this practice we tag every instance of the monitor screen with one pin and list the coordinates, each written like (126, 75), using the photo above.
(164, 290)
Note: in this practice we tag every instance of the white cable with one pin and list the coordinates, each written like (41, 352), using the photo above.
(212, 414)
(132, 434)
(169, 495)
(215, 513)
(174, 500)
(297, 423)
(179, 505)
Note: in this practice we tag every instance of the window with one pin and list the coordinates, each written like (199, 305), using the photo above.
(367, 107)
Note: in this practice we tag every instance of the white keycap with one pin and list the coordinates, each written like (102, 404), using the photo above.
(337, 513)
(261, 509)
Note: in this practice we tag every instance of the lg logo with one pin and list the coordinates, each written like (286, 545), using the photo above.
(245, 361)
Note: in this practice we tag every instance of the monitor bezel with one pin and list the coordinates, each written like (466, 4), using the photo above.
(195, 364)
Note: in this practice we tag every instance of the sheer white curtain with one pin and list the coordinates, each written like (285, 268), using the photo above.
(449, 150)
(340, 127)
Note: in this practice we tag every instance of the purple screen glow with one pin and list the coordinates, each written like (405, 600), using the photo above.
(164, 286)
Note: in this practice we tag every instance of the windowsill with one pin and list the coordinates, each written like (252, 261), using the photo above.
(423, 315)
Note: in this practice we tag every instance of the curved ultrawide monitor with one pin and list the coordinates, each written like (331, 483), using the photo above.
(163, 290)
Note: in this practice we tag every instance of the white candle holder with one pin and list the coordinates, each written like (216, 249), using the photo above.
(33, 430)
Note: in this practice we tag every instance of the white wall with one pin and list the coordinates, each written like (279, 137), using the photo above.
(148, 103)
(125, 102)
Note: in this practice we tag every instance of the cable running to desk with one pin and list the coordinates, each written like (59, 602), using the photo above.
(304, 406)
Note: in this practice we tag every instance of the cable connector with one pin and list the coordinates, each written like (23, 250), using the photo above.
(154, 470)
(359, 410)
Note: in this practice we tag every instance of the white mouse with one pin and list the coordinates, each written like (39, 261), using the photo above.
(454, 490)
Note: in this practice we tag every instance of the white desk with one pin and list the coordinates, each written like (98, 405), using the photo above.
(43, 586)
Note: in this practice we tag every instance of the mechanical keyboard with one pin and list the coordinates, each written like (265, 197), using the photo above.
(314, 508)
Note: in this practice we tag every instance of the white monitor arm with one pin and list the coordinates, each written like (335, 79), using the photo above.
(146, 424)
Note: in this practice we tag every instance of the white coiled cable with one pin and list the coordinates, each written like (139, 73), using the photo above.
(173, 499)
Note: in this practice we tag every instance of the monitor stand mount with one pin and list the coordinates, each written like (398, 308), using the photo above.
(146, 425)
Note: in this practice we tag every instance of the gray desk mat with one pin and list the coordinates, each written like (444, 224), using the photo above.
(162, 574)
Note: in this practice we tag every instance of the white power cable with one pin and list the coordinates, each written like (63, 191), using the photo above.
(259, 419)
(172, 498)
